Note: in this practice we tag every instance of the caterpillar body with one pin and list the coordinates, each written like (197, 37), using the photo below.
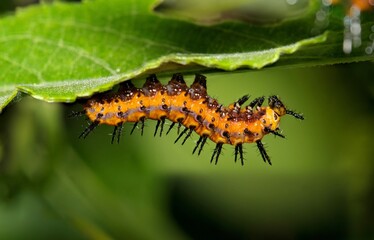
(192, 108)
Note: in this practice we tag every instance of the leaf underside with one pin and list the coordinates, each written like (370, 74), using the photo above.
(60, 52)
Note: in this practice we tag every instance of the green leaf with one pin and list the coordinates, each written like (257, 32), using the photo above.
(62, 51)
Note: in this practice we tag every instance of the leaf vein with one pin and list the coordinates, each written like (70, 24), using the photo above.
(61, 44)
(37, 74)
(121, 35)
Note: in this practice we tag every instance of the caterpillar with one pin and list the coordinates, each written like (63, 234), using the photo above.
(192, 108)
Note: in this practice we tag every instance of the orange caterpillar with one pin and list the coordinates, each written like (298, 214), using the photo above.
(192, 108)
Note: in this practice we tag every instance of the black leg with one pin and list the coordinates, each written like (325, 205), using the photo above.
(241, 154)
(236, 152)
(262, 150)
(188, 134)
(205, 137)
(142, 127)
(179, 125)
(180, 120)
(217, 152)
(239, 150)
(141, 121)
(157, 125)
(114, 134)
(133, 128)
(197, 144)
(89, 129)
(201, 142)
(162, 125)
(180, 135)
(117, 132)
(171, 126)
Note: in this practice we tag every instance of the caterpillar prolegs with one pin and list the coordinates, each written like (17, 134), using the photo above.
(192, 108)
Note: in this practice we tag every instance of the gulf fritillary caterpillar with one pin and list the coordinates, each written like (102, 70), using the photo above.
(192, 108)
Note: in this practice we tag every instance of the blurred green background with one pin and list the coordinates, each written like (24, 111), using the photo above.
(320, 185)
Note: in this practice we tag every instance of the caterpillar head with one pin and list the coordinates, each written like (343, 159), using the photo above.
(270, 120)
(276, 109)
(277, 106)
